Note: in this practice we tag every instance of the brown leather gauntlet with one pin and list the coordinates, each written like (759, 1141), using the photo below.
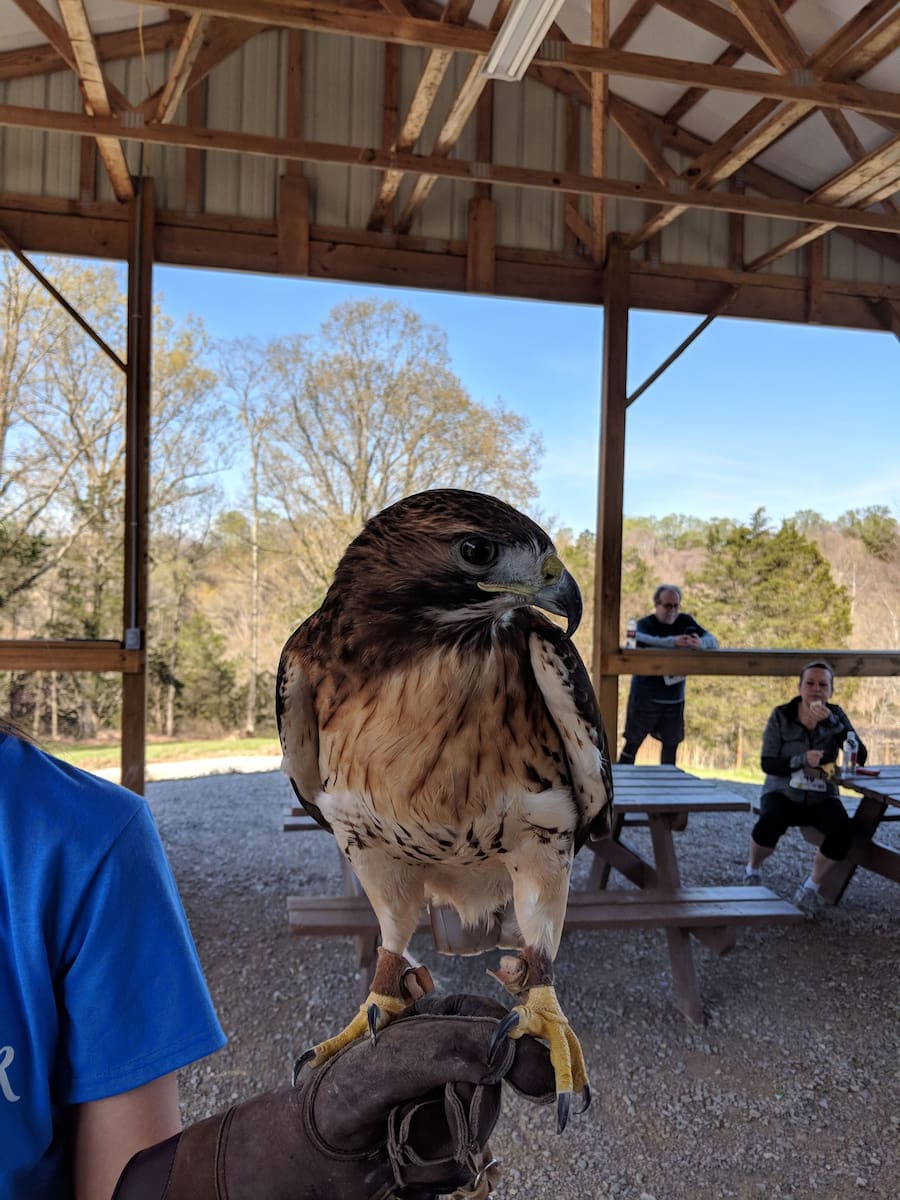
(407, 1118)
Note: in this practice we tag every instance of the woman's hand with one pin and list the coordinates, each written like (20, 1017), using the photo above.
(814, 757)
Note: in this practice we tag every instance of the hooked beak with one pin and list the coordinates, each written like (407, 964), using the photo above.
(560, 594)
(557, 592)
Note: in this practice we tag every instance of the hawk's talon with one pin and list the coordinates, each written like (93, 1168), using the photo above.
(586, 1097)
(373, 1015)
(509, 1022)
(563, 1103)
(301, 1063)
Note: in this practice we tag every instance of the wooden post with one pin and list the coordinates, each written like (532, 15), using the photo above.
(141, 220)
(611, 483)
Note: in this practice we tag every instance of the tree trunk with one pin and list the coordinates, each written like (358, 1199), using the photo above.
(54, 705)
(38, 705)
(250, 724)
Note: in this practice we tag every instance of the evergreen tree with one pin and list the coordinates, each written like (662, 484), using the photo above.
(764, 588)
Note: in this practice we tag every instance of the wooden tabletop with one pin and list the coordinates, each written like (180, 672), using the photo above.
(883, 786)
(666, 789)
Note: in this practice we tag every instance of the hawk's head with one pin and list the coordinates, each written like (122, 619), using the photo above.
(447, 558)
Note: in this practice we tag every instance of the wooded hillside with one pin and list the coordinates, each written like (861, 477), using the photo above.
(267, 458)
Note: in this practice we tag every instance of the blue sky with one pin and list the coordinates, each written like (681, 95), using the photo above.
(752, 415)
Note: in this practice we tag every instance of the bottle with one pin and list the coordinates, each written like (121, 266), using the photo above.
(849, 753)
(631, 634)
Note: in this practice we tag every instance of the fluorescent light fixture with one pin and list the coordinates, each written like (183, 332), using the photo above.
(519, 37)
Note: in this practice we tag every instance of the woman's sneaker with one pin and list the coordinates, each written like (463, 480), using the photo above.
(809, 901)
(752, 878)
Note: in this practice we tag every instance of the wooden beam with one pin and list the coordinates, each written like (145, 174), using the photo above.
(194, 159)
(459, 169)
(461, 109)
(223, 38)
(47, 59)
(68, 654)
(855, 664)
(611, 475)
(330, 18)
(768, 28)
(173, 89)
(815, 272)
(420, 107)
(599, 131)
(137, 479)
(719, 22)
(721, 307)
(878, 175)
(7, 243)
(481, 263)
(293, 225)
(93, 88)
(61, 43)
(631, 23)
(760, 179)
(888, 314)
(228, 242)
(293, 93)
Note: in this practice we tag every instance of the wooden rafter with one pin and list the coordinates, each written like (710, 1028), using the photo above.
(173, 89)
(449, 134)
(631, 23)
(48, 58)
(766, 121)
(658, 132)
(60, 41)
(330, 18)
(93, 88)
(719, 22)
(420, 106)
(768, 28)
(459, 169)
(874, 178)
(221, 39)
(599, 130)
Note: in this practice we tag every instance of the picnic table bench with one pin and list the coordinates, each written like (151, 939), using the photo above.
(661, 798)
(878, 803)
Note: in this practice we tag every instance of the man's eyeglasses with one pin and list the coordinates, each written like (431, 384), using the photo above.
(669, 605)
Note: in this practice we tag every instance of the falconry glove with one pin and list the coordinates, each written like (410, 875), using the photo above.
(406, 1118)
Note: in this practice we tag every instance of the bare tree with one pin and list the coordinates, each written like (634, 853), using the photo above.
(245, 368)
(370, 410)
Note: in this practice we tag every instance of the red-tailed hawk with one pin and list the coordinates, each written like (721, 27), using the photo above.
(448, 735)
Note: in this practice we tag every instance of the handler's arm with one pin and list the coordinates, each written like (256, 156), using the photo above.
(108, 1132)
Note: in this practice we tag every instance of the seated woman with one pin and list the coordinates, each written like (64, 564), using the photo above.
(801, 742)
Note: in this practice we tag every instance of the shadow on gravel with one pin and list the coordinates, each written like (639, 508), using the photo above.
(790, 1092)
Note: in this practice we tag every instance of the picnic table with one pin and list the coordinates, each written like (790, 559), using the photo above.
(879, 802)
(660, 798)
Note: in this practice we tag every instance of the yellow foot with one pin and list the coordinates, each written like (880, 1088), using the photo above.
(374, 1013)
(542, 1017)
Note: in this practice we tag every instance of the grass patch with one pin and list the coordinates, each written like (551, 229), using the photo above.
(93, 757)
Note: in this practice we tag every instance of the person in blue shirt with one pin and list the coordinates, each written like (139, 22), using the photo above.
(656, 702)
(102, 1000)
(102, 996)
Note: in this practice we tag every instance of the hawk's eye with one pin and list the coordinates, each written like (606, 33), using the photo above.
(478, 552)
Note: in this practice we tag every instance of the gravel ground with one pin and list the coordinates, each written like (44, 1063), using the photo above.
(791, 1091)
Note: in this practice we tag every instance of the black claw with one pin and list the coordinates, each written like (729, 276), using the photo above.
(373, 1014)
(563, 1103)
(509, 1022)
(586, 1098)
(301, 1063)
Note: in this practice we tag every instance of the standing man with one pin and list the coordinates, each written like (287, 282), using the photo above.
(656, 702)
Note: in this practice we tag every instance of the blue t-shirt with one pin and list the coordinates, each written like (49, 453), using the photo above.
(101, 989)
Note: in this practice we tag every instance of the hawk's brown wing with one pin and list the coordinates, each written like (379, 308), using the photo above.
(298, 727)
(567, 692)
